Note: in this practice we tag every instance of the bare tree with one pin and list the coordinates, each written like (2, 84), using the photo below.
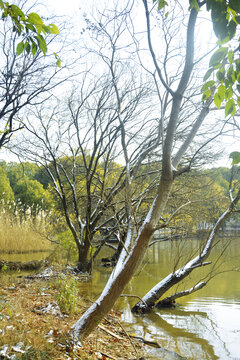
(77, 144)
(174, 147)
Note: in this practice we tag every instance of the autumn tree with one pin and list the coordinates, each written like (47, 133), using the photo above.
(30, 196)
(16, 171)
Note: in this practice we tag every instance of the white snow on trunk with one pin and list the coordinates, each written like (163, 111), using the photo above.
(153, 292)
(79, 324)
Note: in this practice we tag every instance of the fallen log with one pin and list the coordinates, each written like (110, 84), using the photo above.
(18, 265)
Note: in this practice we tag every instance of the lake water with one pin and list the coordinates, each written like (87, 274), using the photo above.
(206, 324)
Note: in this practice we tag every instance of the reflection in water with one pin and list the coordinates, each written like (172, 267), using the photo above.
(171, 331)
(206, 325)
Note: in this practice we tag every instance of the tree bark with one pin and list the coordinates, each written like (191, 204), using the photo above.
(84, 264)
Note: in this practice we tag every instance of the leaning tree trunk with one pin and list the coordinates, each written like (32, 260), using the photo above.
(149, 300)
(125, 268)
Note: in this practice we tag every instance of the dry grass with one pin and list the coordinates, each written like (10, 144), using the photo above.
(47, 335)
(21, 236)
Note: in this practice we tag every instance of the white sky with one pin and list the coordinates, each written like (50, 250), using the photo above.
(62, 7)
(74, 9)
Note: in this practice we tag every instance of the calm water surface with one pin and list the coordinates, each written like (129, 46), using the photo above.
(206, 324)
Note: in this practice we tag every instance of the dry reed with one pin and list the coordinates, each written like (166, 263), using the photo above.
(19, 236)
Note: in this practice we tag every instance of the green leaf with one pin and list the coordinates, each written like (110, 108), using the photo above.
(41, 43)
(206, 95)
(4, 14)
(58, 59)
(231, 74)
(221, 91)
(208, 74)
(235, 5)
(18, 11)
(238, 101)
(31, 27)
(230, 108)
(20, 47)
(34, 19)
(207, 85)
(235, 156)
(238, 88)
(27, 47)
(228, 93)
(45, 29)
(217, 100)
(230, 56)
(220, 74)
(194, 5)
(161, 4)
(34, 48)
(237, 63)
(218, 56)
(53, 29)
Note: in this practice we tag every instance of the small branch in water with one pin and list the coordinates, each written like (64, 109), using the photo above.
(201, 264)
(167, 238)
(134, 296)
(170, 300)
(147, 342)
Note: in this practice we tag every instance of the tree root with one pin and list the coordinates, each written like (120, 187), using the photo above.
(142, 308)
